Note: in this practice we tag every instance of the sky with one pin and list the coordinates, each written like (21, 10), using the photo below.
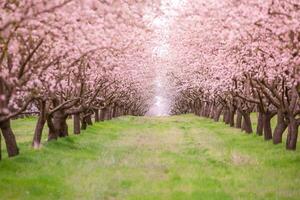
(161, 24)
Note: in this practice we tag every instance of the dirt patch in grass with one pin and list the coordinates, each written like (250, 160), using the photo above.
(242, 159)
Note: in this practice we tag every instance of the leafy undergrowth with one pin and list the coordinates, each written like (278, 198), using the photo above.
(179, 157)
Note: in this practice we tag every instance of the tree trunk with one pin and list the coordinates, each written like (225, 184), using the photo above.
(239, 117)
(227, 116)
(89, 120)
(207, 110)
(243, 124)
(60, 123)
(291, 141)
(36, 142)
(224, 115)
(231, 115)
(9, 138)
(260, 124)
(280, 128)
(102, 114)
(202, 112)
(213, 108)
(267, 125)
(130, 111)
(114, 111)
(218, 113)
(122, 111)
(83, 123)
(247, 126)
(197, 110)
(52, 133)
(76, 121)
(96, 111)
(108, 114)
(117, 111)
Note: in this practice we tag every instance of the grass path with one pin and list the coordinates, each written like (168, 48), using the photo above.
(180, 157)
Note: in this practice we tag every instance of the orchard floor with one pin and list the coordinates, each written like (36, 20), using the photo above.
(151, 158)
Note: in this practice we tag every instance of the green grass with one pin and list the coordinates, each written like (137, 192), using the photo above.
(130, 158)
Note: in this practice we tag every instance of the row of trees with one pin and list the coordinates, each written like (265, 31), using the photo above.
(63, 58)
(236, 57)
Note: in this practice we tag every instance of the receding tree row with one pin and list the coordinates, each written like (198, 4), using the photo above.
(269, 100)
(54, 112)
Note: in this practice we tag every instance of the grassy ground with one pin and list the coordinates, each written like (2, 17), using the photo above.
(180, 157)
